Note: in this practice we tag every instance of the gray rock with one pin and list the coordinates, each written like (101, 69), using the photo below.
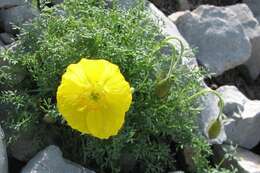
(50, 160)
(1, 45)
(16, 16)
(254, 5)
(2, 49)
(24, 148)
(6, 38)
(174, 16)
(252, 30)
(243, 127)
(218, 35)
(3, 155)
(11, 3)
(188, 153)
(168, 28)
(245, 161)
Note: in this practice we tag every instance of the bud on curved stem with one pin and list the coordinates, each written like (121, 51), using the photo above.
(214, 128)
(163, 85)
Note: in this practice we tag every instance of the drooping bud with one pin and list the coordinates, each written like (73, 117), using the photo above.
(214, 129)
(163, 87)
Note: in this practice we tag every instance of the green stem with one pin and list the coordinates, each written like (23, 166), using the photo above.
(220, 163)
(205, 91)
(173, 66)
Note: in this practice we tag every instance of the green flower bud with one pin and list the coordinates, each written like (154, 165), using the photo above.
(214, 129)
(163, 87)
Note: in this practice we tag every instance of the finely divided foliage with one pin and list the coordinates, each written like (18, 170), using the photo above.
(88, 29)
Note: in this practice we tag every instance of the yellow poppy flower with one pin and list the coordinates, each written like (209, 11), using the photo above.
(93, 97)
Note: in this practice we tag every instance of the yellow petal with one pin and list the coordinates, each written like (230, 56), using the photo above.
(93, 97)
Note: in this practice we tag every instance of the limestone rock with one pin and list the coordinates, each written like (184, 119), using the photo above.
(243, 128)
(50, 160)
(24, 148)
(252, 30)
(254, 5)
(3, 155)
(245, 161)
(16, 16)
(219, 36)
(11, 3)
(174, 16)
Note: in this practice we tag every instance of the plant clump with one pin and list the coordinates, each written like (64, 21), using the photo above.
(78, 29)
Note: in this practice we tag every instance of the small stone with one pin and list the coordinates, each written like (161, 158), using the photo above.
(218, 35)
(244, 114)
(6, 38)
(2, 49)
(3, 155)
(51, 160)
(188, 153)
(16, 16)
(24, 148)
(245, 161)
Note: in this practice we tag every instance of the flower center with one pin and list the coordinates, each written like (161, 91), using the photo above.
(94, 100)
(94, 96)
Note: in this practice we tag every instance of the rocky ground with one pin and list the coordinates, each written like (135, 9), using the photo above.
(171, 6)
(227, 40)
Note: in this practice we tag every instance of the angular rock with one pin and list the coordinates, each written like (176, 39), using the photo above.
(3, 155)
(245, 161)
(218, 35)
(168, 28)
(11, 3)
(243, 127)
(254, 5)
(174, 16)
(252, 30)
(24, 148)
(6, 38)
(16, 16)
(50, 160)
